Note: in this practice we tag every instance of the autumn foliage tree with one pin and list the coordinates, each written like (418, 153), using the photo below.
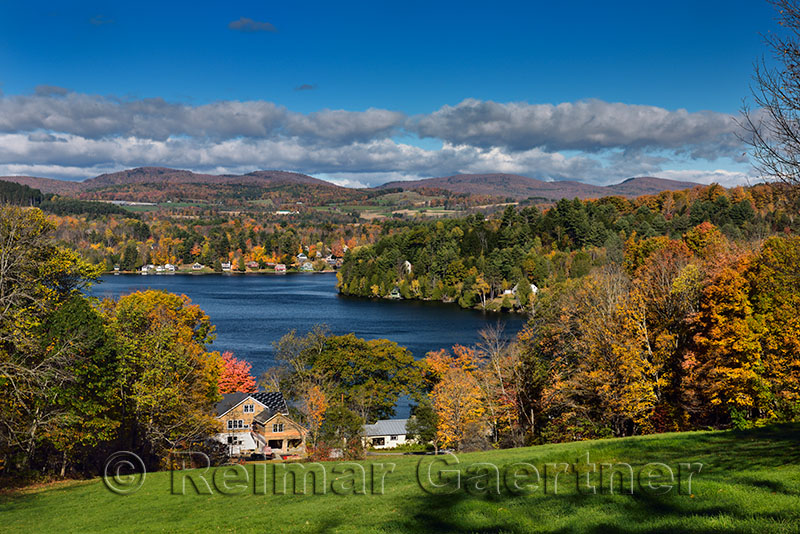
(457, 398)
(235, 375)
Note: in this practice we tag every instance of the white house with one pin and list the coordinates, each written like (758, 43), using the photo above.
(386, 433)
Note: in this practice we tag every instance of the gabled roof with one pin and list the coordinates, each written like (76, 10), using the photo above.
(271, 400)
(386, 427)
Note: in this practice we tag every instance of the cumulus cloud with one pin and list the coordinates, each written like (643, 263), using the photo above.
(590, 141)
(588, 125)
(247, 25)
(95, 116)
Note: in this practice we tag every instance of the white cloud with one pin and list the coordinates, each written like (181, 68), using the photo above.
(59, 133)
(587, 125)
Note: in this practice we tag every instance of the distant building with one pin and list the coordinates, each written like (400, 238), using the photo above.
(307, 266)
(253, 265)
(301, 258)
(395, 293)
(280, 268)
(226, 266)
(386, 433)
(169, 268)
(197, 266)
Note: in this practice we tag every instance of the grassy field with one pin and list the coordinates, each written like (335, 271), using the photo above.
(749, 482)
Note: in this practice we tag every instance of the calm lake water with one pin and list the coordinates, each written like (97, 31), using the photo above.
(250, 312)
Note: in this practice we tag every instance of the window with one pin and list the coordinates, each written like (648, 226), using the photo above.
(277, 427)
(235, 423)
(392, 438)
(249, 408)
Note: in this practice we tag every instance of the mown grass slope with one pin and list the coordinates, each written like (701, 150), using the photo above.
(749, 482)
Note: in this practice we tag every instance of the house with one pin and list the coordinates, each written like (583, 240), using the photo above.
(169, 268)
(386, 433)
(116, 267)
(147, 268)
(395, 293)
(197, 266)
(160, 269)
(259, 422)
(280, 268)
(301, 258)
(307, 266)
(226, 266)
(253, 265)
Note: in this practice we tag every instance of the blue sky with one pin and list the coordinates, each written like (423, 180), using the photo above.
(467, 65)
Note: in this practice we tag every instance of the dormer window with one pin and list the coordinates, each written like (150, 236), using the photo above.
(249, 408)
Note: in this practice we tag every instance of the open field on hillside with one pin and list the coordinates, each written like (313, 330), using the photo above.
(749, 482)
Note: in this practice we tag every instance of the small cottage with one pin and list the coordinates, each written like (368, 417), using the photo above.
(386, 433)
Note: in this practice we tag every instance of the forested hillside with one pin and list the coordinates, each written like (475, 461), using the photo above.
(473, 260)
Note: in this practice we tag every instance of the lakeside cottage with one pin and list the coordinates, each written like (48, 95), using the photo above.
(226, 266)
(386, 433)
(280, 268)
(197, 266)
(259, 423)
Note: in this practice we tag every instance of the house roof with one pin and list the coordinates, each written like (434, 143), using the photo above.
(271, 400)
(386, 427)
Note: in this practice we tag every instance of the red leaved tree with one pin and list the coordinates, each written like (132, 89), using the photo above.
(235, 375)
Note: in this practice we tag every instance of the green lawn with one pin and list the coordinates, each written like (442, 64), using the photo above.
(749, 482)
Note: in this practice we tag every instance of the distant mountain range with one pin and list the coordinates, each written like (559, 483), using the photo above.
(498, 185)
(522, 187)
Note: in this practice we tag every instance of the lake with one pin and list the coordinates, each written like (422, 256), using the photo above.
(250, 312)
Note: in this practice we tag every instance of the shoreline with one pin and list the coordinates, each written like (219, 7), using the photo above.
(207, 273)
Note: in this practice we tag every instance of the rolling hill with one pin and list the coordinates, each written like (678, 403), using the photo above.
(160, 182)
(521, 187)
(162, 176)
(45, 185)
